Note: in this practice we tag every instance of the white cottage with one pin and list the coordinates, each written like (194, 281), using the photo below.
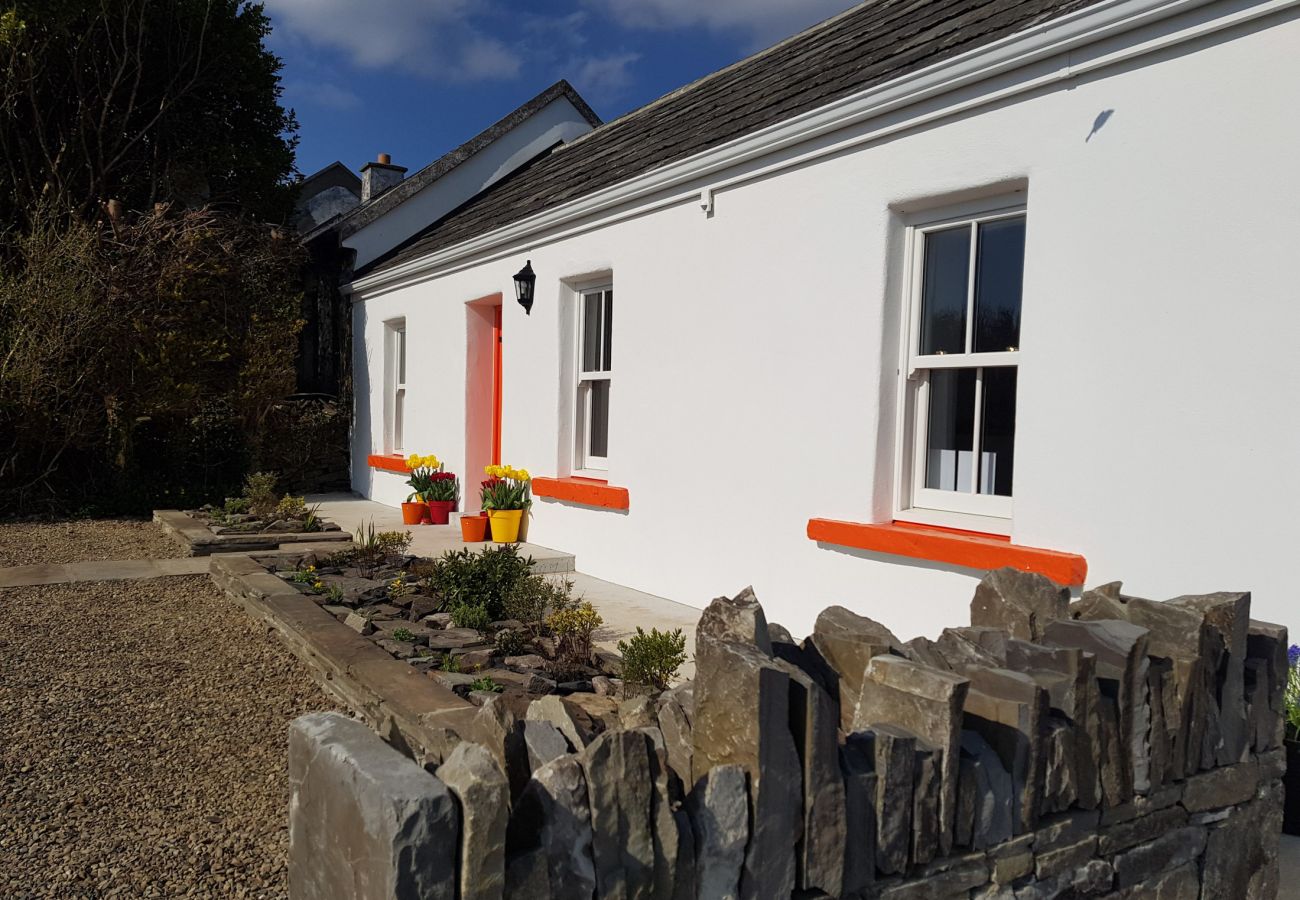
(926, 289)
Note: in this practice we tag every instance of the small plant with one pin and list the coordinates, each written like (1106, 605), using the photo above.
(259, 492)
(535, 597)
(506, 488)
(393, 544)
(291, 508)
(235, 506)
(485, 683)
(449, 663)
(399, 589)
(334, 594)
(1291, 696)
(479, 579)
(573, 628)
(374, 549)
(468, 615)
(653, 659)
(311, 518)
(404, 634)
(305, 576)
(510, 642)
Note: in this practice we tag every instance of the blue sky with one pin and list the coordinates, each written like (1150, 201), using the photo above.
(415, 78)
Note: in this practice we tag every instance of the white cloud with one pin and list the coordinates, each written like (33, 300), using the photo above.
(436, 38)
(762, 20)
(603, 79)
(322, 93)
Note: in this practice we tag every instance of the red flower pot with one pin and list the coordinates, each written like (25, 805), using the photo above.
(414, 513)
(440, 511)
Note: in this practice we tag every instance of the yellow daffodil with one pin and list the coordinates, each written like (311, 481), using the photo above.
(523, 475)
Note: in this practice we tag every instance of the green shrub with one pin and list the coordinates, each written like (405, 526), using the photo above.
(573, 628)
(404, 634)
(510, 642)
(291, 507)
(259, 494)
(653, 659)
(311, 518)
(484, 579)
(485, 684)
(468, 615)
(535, 597)
(449, 663)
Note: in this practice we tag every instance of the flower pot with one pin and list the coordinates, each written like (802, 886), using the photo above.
(1291, 782)
(473, 528)
(414, 513)
(505, 525)
(440, 511)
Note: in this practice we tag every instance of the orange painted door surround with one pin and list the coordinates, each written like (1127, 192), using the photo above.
(496, 385)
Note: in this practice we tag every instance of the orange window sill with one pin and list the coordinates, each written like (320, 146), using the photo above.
(389, 462)
(960, 548)
(587, 491)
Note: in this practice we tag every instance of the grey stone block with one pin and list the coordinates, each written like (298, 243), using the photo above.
(617, 766)
(1020, 603)
(846, 641)
(719, 806)
(365, 821)
(483, 792)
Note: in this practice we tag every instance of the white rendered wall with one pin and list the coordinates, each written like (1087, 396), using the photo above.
(755, 352)
(558, 121)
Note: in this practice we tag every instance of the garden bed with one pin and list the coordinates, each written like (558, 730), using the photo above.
(199, 533)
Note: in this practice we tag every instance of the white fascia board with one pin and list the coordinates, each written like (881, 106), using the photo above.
(1107, 19)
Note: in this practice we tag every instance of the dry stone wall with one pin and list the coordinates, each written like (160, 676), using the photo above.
(1107, 747)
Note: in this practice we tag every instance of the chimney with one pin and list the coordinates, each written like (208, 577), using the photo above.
(377, 177)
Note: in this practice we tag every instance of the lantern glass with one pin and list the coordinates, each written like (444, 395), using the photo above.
(525, 281)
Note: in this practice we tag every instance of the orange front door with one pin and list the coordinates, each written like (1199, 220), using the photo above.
(496, 386)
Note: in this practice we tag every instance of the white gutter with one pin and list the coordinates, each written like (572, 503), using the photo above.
(1087, 26)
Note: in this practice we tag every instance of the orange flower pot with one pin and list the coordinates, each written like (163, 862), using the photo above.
(473, 529)
(505, 525)
(414, 513)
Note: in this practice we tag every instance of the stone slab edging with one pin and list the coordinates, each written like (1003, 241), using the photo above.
(106, 570)
(386, 693)
(198, 540)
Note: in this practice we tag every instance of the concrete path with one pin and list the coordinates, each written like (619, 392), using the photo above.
(1289, 864)
(622, 608)
(109, 570)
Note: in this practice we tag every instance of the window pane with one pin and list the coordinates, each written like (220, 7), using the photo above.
(999, 276)
(609, 328)
(592, 307)
(998, 431)
(401, 356)
(598, 427)
(399, 408)
(950, 436)
(943, 291)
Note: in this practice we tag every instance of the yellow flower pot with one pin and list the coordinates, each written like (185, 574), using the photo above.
(505, 525)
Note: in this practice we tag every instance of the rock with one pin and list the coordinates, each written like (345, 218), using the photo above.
(1268, 642)
(780, 634)
(742, 717)
(1009, 711)
(678, 740)
(527, 876)
(846, 641)
(1226, 786)
(814, 724)
(381, 611)
(1059, 788)
(558, 713)
(496, 728)
(529, 682)
(596, 714)
(553, 814)
(453, 681)
(1098, 604)
(543, 742)
(360, 813)
(1159, 746)
(359, 623)
(478, 698)
(1170, 850)
(1121, 653)
(893, 751)
(1259, 711)
(454, 639)
(992, 794)
(476, 660)
(617, 767)
(949, 882)
(739, 619)
(858, 769)
(1069, 858)
(1020, 603)
(604, 686)
(473, 776)
(527, 661)
(1176, 884)
(1114, 773)
(338, 612)
(420, 606)
(1116, 838)
(720, 811)
(1229, 614)
(638, 712)
(1011, 860)
(1064, 829)
(925, 803)
(1241, 858)
(960, 649)
(438, 620)
(399, 649)
(673, 836)
(927, 702)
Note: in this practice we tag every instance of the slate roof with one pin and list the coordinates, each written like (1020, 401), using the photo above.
(869, 44)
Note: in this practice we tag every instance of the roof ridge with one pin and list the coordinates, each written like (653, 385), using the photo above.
(717, 73)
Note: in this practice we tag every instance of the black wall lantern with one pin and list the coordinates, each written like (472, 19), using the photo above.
(525, 281)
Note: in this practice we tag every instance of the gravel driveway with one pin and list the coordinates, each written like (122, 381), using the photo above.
(142, 743)
(29, 543)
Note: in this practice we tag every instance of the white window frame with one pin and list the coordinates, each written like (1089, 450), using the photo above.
(396, 347)
(584, 463)
(914, 502)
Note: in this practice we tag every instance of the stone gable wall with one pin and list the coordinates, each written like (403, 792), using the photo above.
(1107, 747)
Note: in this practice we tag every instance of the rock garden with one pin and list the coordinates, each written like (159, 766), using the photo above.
(258, 519)
(481, 624)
